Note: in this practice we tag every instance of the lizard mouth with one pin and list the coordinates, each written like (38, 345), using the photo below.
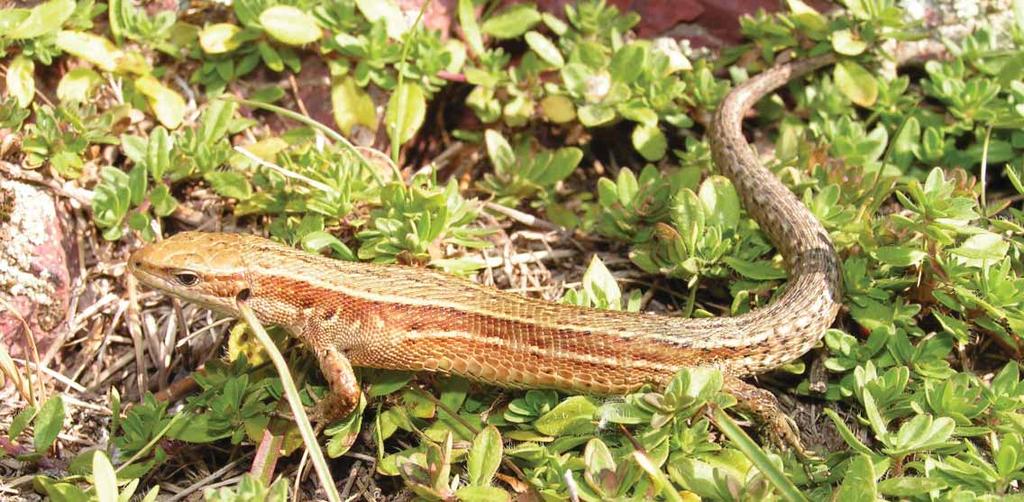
(146, 277)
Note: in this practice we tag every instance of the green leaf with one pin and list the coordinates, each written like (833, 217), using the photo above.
(216, 121)
(43, 19)
(757, 270)
(344, 434)
(77, 85)
(558, 109)
(807, 18)
(906, 141)
(598, 458)
(120, 16)
(649, 141)
(628, 63)
(607, 192)
(574, 416)
(21, 80)
(351, 105)
(921, 433)
(220, 38)
(168, 105)
(104, 478)
(599, 283)
(856, 83)
(317, 240)
(688, 214)
(562, 163)
(62, 492)
(909, 486)
(270, 56)
(48, 423)
(627, 186)
(878, 424)
(756, 455)
(229, 184)
(470, 28)
(384, 382)
(900, 256)
(846, 433)
(387, 10)
(484, 456)
(598, 115)
(721, 202)
(846, 43)
(512, 22)
(637, 111)
(407, 109)
(68, 164)
(482, 494)
(499, 151)
(10, 18)
(20, 421)
(92, 48)
(545, 49)
(980, 249)
(158, 152)
(290, 25)
(138, 183)
(859, 483)
(163, 202)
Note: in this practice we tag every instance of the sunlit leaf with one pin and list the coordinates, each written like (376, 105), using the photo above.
(21, 81)
(290, 25)
(856, 83)
(168, 105)
(407, 108)
(352, 105)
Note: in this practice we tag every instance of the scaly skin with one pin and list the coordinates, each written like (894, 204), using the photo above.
(404, 318)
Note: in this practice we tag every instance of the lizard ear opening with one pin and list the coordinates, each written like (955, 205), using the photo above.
(243, 295)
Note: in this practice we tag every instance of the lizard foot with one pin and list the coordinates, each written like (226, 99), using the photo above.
(781, 427)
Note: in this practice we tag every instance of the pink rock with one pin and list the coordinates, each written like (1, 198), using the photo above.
(34, 277)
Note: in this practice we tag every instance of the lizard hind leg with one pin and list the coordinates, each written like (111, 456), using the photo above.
(765, 406)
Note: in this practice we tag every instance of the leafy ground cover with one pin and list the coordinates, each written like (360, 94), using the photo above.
(509, 153)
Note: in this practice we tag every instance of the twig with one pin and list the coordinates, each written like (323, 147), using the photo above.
(524, 218)
(295, 94)
(202, 483)
(323, 187)
(31, 343)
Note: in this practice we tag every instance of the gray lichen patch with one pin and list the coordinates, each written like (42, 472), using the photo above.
(29, 215)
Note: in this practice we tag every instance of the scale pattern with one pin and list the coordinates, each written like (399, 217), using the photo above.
(414, 319)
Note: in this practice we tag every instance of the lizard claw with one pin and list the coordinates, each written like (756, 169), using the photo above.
(782, 429)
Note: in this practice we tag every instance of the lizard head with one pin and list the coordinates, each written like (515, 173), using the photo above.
(204, 268)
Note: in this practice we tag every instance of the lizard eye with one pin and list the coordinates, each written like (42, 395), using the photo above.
(186, 278)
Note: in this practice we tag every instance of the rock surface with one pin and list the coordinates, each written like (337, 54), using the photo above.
(34, 277)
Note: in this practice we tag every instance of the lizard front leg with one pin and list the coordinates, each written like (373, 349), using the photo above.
(345, 391)
(334, 364)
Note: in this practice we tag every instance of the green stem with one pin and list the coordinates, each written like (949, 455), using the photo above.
(327, 131)
(400, 102)
(757, 456)
(294, 401)
(691, 298)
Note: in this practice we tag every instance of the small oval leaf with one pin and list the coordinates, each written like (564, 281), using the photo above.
(219, 38)
(856, 83)
(21, 80)
(290, 25)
